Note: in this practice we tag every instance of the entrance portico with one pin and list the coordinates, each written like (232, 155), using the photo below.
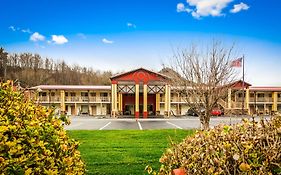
(138, 92)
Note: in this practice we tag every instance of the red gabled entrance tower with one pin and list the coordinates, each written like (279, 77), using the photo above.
(138, 92)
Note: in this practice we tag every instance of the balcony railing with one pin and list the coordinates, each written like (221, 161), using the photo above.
(50, 99)
(177, 99)
(43, 99)
(87, 99)
(237, 105)
(74, 99)
(261, 99)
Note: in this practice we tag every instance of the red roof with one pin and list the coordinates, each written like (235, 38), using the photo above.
(71, 87)
(139, 74)
(263, 88)
(239, 84)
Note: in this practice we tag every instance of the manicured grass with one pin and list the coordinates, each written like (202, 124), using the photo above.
(126, 151)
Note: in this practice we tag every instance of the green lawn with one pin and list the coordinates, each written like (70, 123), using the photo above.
(126, 151)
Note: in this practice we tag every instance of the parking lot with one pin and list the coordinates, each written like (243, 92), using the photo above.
(94, 123)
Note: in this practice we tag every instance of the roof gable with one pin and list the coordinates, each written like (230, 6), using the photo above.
(139, 75)
(239, 84)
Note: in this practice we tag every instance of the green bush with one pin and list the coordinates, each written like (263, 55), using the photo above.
(32, 139)
(247, 148)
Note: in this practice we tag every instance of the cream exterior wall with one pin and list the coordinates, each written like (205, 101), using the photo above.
(184, 109)
(76, 101)
(101, 106)
(174, 108)
(162, 109)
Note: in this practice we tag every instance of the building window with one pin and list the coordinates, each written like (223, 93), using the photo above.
(92, 94)
(270, 95)
(53, 93)
(84, 94)
(42, 93)
(103, 94)
(72, 94)
(240, 95)
(279, 95)
(252, 95)
(66, 94)
(260, 95)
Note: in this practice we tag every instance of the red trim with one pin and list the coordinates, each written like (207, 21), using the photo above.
(239, 84)
(144, 114)
(140, 69)
(262, 88)
(114, 82)
(139, 75)
(137, 114)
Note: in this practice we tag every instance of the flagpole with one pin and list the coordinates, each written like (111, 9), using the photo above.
(243, 84)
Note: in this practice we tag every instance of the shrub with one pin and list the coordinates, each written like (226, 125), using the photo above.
(246, 148)
(32, 139)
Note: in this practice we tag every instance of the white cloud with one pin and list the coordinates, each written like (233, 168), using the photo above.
(201, 8)
(26, 31)
(238, 7)
(37, 37)
(12, 28)
(106, 41)
(131, 25)
(182, 8)
(59, 39)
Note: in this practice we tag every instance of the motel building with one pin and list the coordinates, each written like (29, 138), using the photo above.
(141, 93)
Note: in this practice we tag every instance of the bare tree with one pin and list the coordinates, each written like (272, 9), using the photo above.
(3, 61)
(203, 78)
(32, 69)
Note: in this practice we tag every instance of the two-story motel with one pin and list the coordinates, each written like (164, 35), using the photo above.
(143, 93)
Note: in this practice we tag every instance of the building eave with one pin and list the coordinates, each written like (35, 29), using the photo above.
(71, 87)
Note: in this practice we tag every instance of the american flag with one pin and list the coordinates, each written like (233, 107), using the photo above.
(236, 63)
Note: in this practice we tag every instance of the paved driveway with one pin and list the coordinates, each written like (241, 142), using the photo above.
(92, 123)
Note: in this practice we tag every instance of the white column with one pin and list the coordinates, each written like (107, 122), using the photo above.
(166, 100)
(229, 99)
(115, 97)
(137, 101)
(113, 100)
(145, 100)
(169, 100)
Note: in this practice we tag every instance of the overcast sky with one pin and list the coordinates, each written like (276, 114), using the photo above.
(125, 34)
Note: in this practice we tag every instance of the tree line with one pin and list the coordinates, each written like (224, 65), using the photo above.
(32, 69)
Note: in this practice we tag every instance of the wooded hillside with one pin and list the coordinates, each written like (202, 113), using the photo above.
(31, 69)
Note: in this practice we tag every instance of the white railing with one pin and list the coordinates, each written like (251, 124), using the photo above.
(50, 99)
(87, 99)
(44, 98)
(261, 99)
